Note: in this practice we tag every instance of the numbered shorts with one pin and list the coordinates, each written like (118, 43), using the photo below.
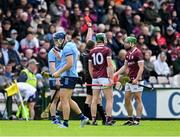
(52, 84)
(134, 87)
(69, 82)
(103, 81)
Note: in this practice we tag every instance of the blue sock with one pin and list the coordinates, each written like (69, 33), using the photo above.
(81, 116)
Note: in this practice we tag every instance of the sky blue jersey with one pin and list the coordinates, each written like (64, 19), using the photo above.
(70, 48)
(53, 58)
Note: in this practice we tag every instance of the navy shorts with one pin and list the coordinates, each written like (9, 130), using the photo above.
(69, 82)
(52, 85)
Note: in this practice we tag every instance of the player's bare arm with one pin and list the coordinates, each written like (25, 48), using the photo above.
(52, 67)
(66, 67)
(110, 69)
(89, 33)
(90, 66)
(122, 69)
(140, 72)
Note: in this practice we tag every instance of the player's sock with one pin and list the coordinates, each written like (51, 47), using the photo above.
(101, 112)
(109, 121)
(108, 118)
(87, 111)
(129, 121)
(65, 123)
(53, 118)
(137, 119)
(130, 118)
(94, 120)
(81, 116)
(59, 114)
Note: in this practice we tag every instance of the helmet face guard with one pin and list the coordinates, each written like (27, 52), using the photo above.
(131, 40)
(59, 38)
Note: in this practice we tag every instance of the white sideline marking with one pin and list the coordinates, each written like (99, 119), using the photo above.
(88, 136)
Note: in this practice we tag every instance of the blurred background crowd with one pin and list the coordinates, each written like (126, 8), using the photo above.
(27, 26)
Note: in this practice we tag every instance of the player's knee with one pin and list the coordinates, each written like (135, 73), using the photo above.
(138, 99)
(95, 101)
(127, 101)
(56, 99)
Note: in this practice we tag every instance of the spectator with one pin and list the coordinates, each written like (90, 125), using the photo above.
(144, 49)
(140, 41)
(42, 14)
(137, 25)
(6, 29)
(35, 21)
(30, 42)
(74, 17)
(120, 59)
(151, 15)
(29, 54)
(163, 12)
(14, 35)
(170, 36)
(107, 18)
(117, 43)
(8, 72)
(146, 34)
(40, 33)
(57, 9)
(46, 45)
(49, 35)
(46, 23)
(153, 46)
(22, 25)
(168, 55)
(12, 53)
(100, 10)
(4, 58)
(64, 20)
(176, 64)
(148, 66)
(135, 4)
(161, 41)
(42, 58)
(126, 20)
(160, 66)
(29, 11)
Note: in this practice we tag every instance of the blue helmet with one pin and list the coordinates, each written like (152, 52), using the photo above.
(59, 35)
(58, 38)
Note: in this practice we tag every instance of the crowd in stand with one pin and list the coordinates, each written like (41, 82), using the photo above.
(27, 26)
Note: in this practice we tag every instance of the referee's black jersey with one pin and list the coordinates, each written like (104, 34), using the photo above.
(84, 60)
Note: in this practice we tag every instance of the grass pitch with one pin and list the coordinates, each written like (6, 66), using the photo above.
(45, 128)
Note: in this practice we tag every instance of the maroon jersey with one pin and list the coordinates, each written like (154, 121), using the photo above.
(132, 59)
(98, 56)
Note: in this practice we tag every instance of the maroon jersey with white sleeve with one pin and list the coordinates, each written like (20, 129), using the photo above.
(132, 59)
(98, 56)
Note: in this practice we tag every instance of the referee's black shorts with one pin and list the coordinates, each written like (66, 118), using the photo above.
(89, 88)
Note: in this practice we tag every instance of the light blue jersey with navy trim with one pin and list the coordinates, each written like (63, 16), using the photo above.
(53, 58)
(70, 48)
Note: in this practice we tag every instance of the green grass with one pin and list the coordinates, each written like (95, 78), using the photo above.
(45, 128)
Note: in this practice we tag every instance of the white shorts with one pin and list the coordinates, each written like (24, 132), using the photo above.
(134, 88)
(103, 81)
